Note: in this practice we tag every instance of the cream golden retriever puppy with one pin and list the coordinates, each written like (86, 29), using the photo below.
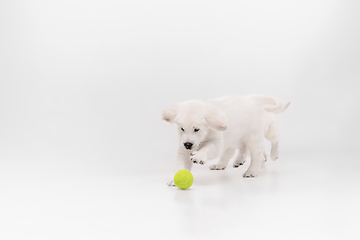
(218, 127)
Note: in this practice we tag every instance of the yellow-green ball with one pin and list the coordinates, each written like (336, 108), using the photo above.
(183, 179)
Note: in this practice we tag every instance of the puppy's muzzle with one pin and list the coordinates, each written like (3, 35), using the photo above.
(188, 145)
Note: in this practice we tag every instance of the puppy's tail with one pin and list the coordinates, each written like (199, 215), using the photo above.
(277, 107)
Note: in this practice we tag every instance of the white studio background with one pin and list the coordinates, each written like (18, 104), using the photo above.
(83, 83)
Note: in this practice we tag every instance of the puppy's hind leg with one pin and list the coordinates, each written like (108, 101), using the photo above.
(264, 159)
(273, 136)
(256, 148)
(241, 157)
(224, 159)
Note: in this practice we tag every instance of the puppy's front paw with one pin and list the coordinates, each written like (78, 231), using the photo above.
(197, 157)
(217, 167)
(251, 172)
(239, 162)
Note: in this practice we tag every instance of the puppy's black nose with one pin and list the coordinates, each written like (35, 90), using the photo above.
(188, 145)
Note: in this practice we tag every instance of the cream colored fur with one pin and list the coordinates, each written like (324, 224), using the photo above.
(219, 127)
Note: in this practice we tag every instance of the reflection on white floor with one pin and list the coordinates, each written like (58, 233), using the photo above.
(297, 198)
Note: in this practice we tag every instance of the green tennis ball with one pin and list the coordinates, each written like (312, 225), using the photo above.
(183, 179)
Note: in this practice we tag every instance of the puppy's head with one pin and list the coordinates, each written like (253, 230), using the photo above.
(195, 121)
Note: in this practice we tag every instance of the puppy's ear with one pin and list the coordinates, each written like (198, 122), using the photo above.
(216, 119)
(169, 114)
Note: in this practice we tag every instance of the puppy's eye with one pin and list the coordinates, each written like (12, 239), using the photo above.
(196, 130)
(182, 129)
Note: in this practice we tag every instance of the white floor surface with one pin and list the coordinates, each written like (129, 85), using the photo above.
(315, 197)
